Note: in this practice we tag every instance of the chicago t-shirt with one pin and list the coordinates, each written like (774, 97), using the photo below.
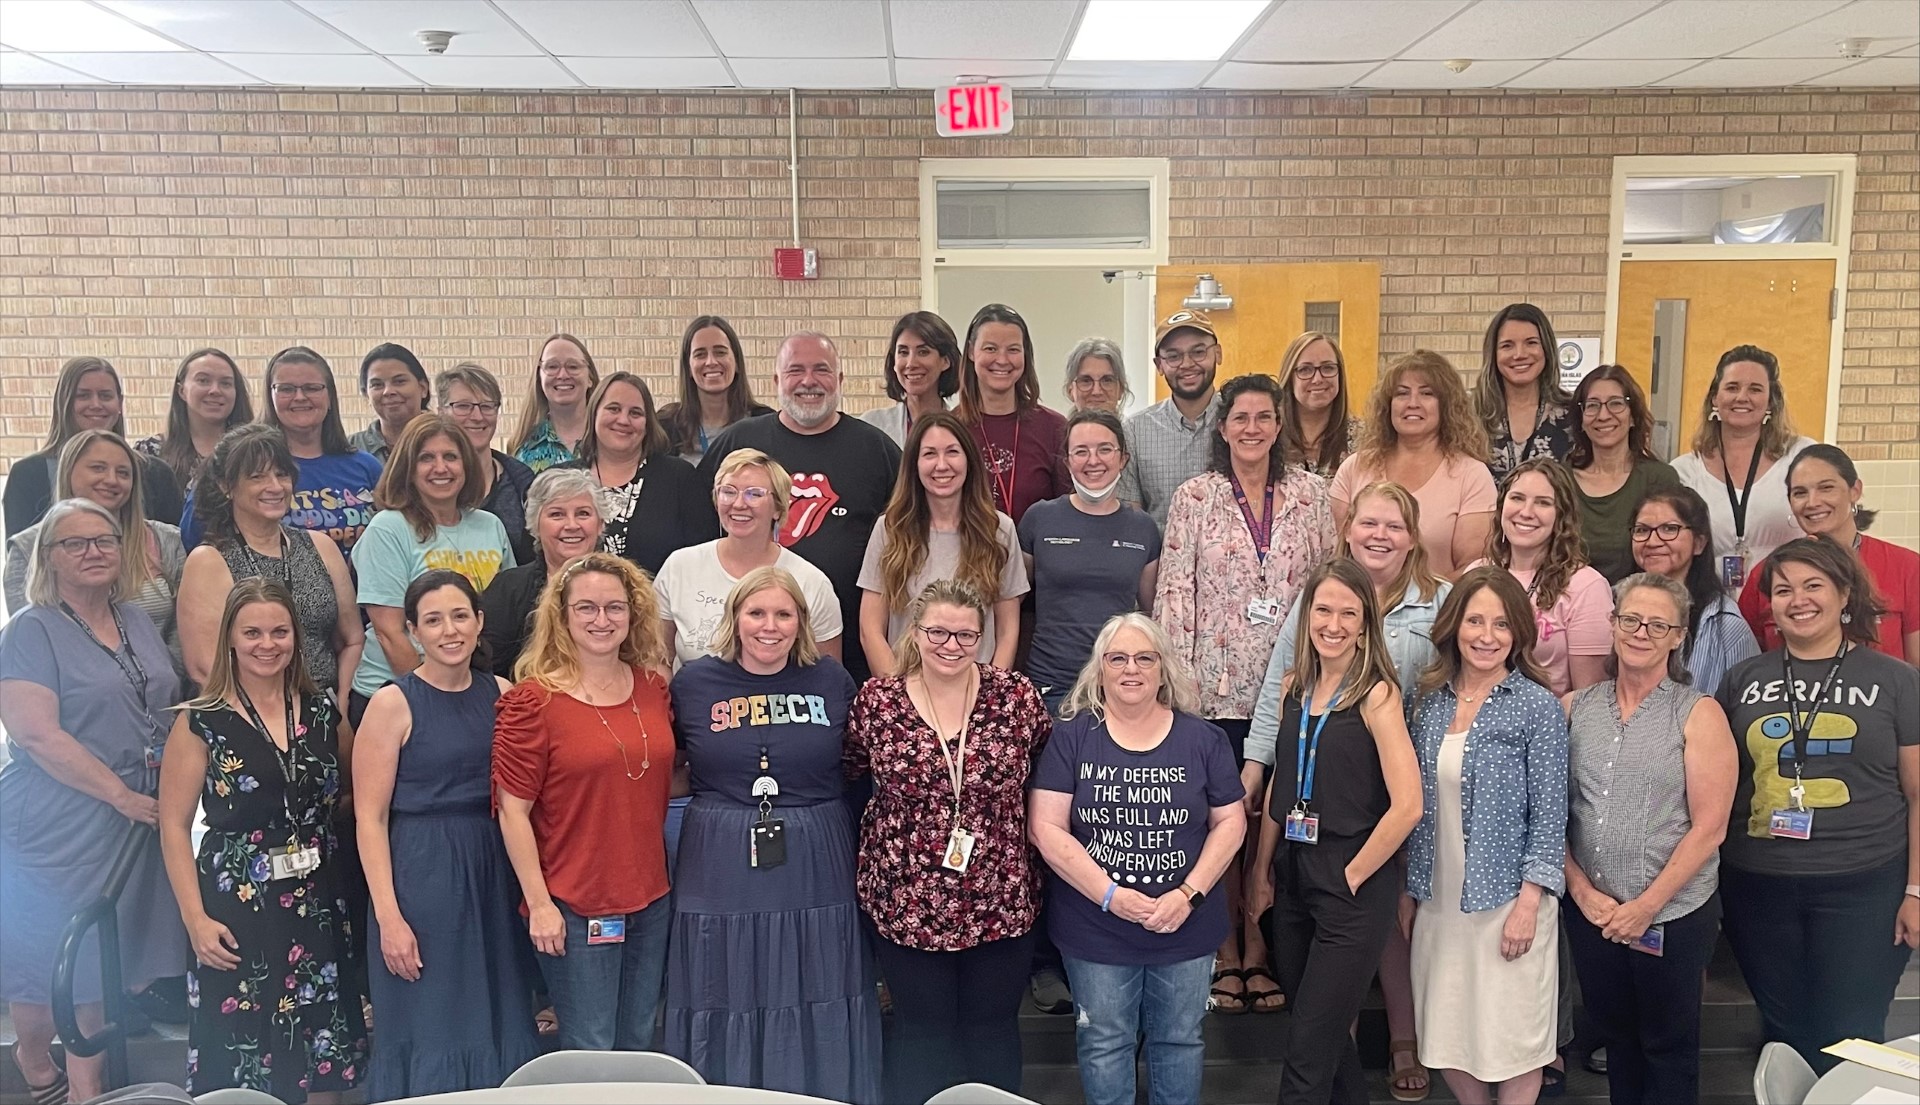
(1086, 569)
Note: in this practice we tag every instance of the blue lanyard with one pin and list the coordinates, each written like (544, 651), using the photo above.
(1261, 532)
(1307, 760)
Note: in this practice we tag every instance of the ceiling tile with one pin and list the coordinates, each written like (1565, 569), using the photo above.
(981, 28)
(129, 68)
(1588, 73)
(796, 29)
(237, 26)
(595, 28)
(1896, 72)
(1432, 74)
(322, 70)
(817, 73)
(27, 69)
(1703, 28)
(43, 25)
(1891, 23)
(1280, 76)
(451, 71)
(940, 72)
(1131, 74)
(651, 72)
(388, 28)
(1752, 72)
(1524, 28)
(1343, 30)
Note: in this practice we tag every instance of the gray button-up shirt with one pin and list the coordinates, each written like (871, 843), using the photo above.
(370, 441)
(1167, 451)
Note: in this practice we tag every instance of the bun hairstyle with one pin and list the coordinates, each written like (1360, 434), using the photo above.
(1841, 463)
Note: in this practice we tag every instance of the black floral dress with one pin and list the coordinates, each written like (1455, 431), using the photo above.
(288, 1020)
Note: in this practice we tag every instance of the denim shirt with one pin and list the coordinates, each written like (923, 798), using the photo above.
(1409, 631)
(1515, 765)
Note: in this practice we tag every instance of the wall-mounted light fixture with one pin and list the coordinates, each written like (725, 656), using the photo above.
(1208, 295)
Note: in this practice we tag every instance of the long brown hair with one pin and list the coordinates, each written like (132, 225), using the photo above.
(551, 660)
(1840, 564)
(333, 433)
(1490, 390)
(176, 448)
(534, 411)
(1566, 551)
(1026, 390)
(1776, 434)
(909, 519)
(1334, 443)
(64, 388)
(398, 488)
(222, 679)
(1416, 571)
(1446, 628)
(1639, 417)
(1372, 664)
(1461, 433)
(137, 565)
(681, 418)
(653, 440)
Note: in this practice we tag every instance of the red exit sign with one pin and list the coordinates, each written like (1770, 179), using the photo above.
(973, 109)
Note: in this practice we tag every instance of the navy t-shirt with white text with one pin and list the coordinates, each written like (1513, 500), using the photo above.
(1086, 569)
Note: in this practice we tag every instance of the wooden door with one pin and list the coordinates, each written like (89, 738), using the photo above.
(1270, 309)
(1784, 307)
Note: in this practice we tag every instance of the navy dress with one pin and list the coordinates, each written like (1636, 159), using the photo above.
(768, 981)
(468, 1022)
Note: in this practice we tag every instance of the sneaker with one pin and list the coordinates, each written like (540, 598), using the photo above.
(1050, 993)
(164, 1001)
(1597, 1060)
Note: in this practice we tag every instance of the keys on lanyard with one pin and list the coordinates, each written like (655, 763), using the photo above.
(1795, 821)
(1303, 827)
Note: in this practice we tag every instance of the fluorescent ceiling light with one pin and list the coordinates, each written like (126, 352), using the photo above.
(70, 26)
(1162, 30)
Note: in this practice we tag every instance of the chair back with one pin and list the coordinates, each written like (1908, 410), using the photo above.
(558, 1067)
(237, 1095)
(977, 1093)
(1781, 1077)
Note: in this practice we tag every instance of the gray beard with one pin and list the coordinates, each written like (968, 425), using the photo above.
(807, 418)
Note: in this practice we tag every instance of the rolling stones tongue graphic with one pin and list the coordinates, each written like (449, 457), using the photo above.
(813, 500)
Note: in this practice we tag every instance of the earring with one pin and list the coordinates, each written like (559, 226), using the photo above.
(1767, 419)
(1846, 617)
(1713, 415)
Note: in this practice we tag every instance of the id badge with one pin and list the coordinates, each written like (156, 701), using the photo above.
(607, 930)
(1652, 942)
(767, 843)
(1303, 827)
(292, 862)
(1733, 571)
(959, 851)
(153, 756)
(1263, 612)
(1791, 824)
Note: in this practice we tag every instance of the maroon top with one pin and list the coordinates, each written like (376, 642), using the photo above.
(602, 835)
(913, 900)
(1025, 453)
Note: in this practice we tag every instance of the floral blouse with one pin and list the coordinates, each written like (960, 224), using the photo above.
(913, 900)
(1209, 573)
(1551, 437)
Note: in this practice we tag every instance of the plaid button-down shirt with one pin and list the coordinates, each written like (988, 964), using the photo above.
(1167, 451)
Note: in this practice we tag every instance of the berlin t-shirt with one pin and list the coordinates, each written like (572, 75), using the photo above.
(1086, 569)
(1142, 816)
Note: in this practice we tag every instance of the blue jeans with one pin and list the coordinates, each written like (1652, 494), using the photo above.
(607, 995)
(1114, 1006)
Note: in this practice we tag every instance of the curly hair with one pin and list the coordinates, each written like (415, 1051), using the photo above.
(1566, 551)
(909, 519)
(1461, 433)
(552, 661)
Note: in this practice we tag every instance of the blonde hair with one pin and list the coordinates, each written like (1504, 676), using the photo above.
(1416, 571)
(551, 660)
(941, 592)
(1177, 689)
(136, 567)
(726, 636)
(42, 589)
(779, 481)
(535, 411)
(1373, 664)
(1461, 432)
(223, 680)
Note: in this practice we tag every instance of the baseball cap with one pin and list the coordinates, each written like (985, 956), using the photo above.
(1183, 320)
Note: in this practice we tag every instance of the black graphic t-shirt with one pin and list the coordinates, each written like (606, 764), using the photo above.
(841, 482)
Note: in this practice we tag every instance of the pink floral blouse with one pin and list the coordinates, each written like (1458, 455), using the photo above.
(1209, 573)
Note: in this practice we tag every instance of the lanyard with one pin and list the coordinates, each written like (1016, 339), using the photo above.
(1308, 758)
(284, 759)
(1003, 489)
(1802, 726)
(128, 662)
(286, 559)
(1739, 504)
(1260, 531)
(956, 759)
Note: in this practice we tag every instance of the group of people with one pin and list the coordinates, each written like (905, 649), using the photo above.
(571, 734)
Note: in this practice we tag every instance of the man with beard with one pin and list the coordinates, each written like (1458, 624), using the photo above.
(843, 469)
(1172, 440)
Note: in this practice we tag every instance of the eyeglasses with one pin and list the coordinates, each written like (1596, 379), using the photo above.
(80, 546)
(1616, 405)
(288, 391)
(754, 496)
(1097, 383)
(1088, 452)
(1667, 531)
(1174, 357)
(937, 635)
(1120, 661)
(1632, 623)
(1327, 371)
(463, 410)
(591, 611)
(571, 368)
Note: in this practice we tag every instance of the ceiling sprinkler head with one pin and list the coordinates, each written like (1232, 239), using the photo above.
(435, 41)
(1458, 65)
(1854, 47)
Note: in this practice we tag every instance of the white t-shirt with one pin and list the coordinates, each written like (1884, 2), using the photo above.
(1770, 521)
(692, 588)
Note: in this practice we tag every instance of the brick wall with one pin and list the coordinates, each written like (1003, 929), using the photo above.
(138, 223)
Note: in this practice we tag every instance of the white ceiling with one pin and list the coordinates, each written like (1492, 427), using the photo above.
(849, 44)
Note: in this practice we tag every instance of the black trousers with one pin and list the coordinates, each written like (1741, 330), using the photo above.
(1645, 1010)
(1326, 942)
(955, 1016)
(1818, 952)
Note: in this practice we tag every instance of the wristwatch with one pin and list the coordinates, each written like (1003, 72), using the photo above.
(1195, 899)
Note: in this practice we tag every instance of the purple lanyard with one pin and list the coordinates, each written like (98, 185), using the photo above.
(1261, 532)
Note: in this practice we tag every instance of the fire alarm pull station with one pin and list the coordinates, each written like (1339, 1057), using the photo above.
(796, 263)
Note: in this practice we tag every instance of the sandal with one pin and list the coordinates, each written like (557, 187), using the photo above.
(1553, 1081)
(1232, 1002)
(53, 1093)
(1403, 1066)
(546, 1022)
(1255, 997)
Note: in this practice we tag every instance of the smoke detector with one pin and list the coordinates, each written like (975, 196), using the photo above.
(436, 42)
(1458, 65)
(1854, 47)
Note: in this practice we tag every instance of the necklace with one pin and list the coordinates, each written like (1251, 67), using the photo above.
(1459, 692)
(646, 741)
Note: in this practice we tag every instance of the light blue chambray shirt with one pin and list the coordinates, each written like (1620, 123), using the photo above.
(1723, 640)
(1409, 631)
(1513, 793)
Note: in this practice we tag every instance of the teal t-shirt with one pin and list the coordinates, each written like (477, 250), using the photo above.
(388, 557)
